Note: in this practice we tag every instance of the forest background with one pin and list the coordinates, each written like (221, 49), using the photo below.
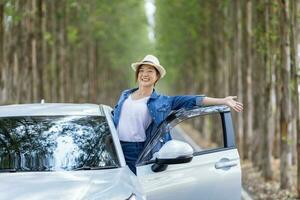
(81, 51)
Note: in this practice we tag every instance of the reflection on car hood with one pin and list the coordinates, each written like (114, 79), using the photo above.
(92, 184)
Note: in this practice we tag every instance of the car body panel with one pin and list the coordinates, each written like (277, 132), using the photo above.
(198, 179)
(116, 184)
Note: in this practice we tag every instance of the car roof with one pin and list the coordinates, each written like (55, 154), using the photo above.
(51, 109)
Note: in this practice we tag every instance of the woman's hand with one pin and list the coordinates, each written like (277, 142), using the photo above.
(229, 101)
(232, 103)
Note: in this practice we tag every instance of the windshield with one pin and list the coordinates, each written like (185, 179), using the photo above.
(55, 143)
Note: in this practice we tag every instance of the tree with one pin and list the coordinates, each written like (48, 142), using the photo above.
(285, 104)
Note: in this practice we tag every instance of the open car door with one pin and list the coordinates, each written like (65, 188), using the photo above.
(177, 172)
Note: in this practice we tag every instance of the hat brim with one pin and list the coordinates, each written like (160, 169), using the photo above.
(159, 68)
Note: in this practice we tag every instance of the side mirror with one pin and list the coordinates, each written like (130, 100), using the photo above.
(172, 152)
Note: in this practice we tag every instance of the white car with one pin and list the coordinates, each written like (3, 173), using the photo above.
(72, 151)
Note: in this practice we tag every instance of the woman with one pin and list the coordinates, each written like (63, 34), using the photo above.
(141, 110)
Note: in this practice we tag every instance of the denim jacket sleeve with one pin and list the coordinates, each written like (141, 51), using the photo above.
(168, 104)
(186, 101)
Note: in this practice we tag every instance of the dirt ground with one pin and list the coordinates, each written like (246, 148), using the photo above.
(252, 180)
(258, 189)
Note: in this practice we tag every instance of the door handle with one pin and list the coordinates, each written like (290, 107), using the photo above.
(225, 163)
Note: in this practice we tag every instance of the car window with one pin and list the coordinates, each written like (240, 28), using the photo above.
(55, 143)
(203, 133)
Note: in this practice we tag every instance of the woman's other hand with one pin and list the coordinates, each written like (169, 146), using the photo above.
(232, 103)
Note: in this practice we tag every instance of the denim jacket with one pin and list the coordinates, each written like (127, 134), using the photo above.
(159, 107)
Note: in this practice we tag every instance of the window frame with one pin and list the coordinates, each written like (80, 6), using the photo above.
(176, 117)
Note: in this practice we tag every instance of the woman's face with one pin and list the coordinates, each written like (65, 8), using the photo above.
(147, 76)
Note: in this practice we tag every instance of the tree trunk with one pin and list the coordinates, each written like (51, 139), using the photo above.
(2, 4)
(294, 31)
(248, 113)
(39, 50)
(285, 104)
(238, 63)
(294, 88)
(62, 52)
(268, 115)
(258, 82)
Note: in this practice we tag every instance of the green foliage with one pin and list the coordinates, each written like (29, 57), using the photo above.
(72, 33)
(11, 12)
(181, 30)
(119, 28)
(48, 38)
(86, 47)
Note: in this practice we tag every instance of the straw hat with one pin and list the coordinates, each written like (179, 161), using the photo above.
(153, 61)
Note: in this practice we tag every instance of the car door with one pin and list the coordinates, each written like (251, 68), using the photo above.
(214, 172)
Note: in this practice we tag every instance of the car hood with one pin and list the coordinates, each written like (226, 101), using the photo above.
(117, 183)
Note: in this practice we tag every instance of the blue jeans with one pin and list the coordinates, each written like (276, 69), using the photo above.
(131, 151)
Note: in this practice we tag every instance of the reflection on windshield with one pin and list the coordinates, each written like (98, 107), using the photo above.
(55, 143)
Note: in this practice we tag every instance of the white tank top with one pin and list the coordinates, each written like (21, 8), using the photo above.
(134, 120)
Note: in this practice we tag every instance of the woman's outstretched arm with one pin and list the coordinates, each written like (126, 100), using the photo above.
(229, 101)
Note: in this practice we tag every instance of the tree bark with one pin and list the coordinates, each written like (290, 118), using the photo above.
(294, 31)
(294, 88)
(237, 83)
(248, 113)
(62, 52)
(39, 50)
(2, 4)
(268, 115)
(285, 104)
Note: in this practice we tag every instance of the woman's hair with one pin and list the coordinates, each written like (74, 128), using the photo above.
(137, 73)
